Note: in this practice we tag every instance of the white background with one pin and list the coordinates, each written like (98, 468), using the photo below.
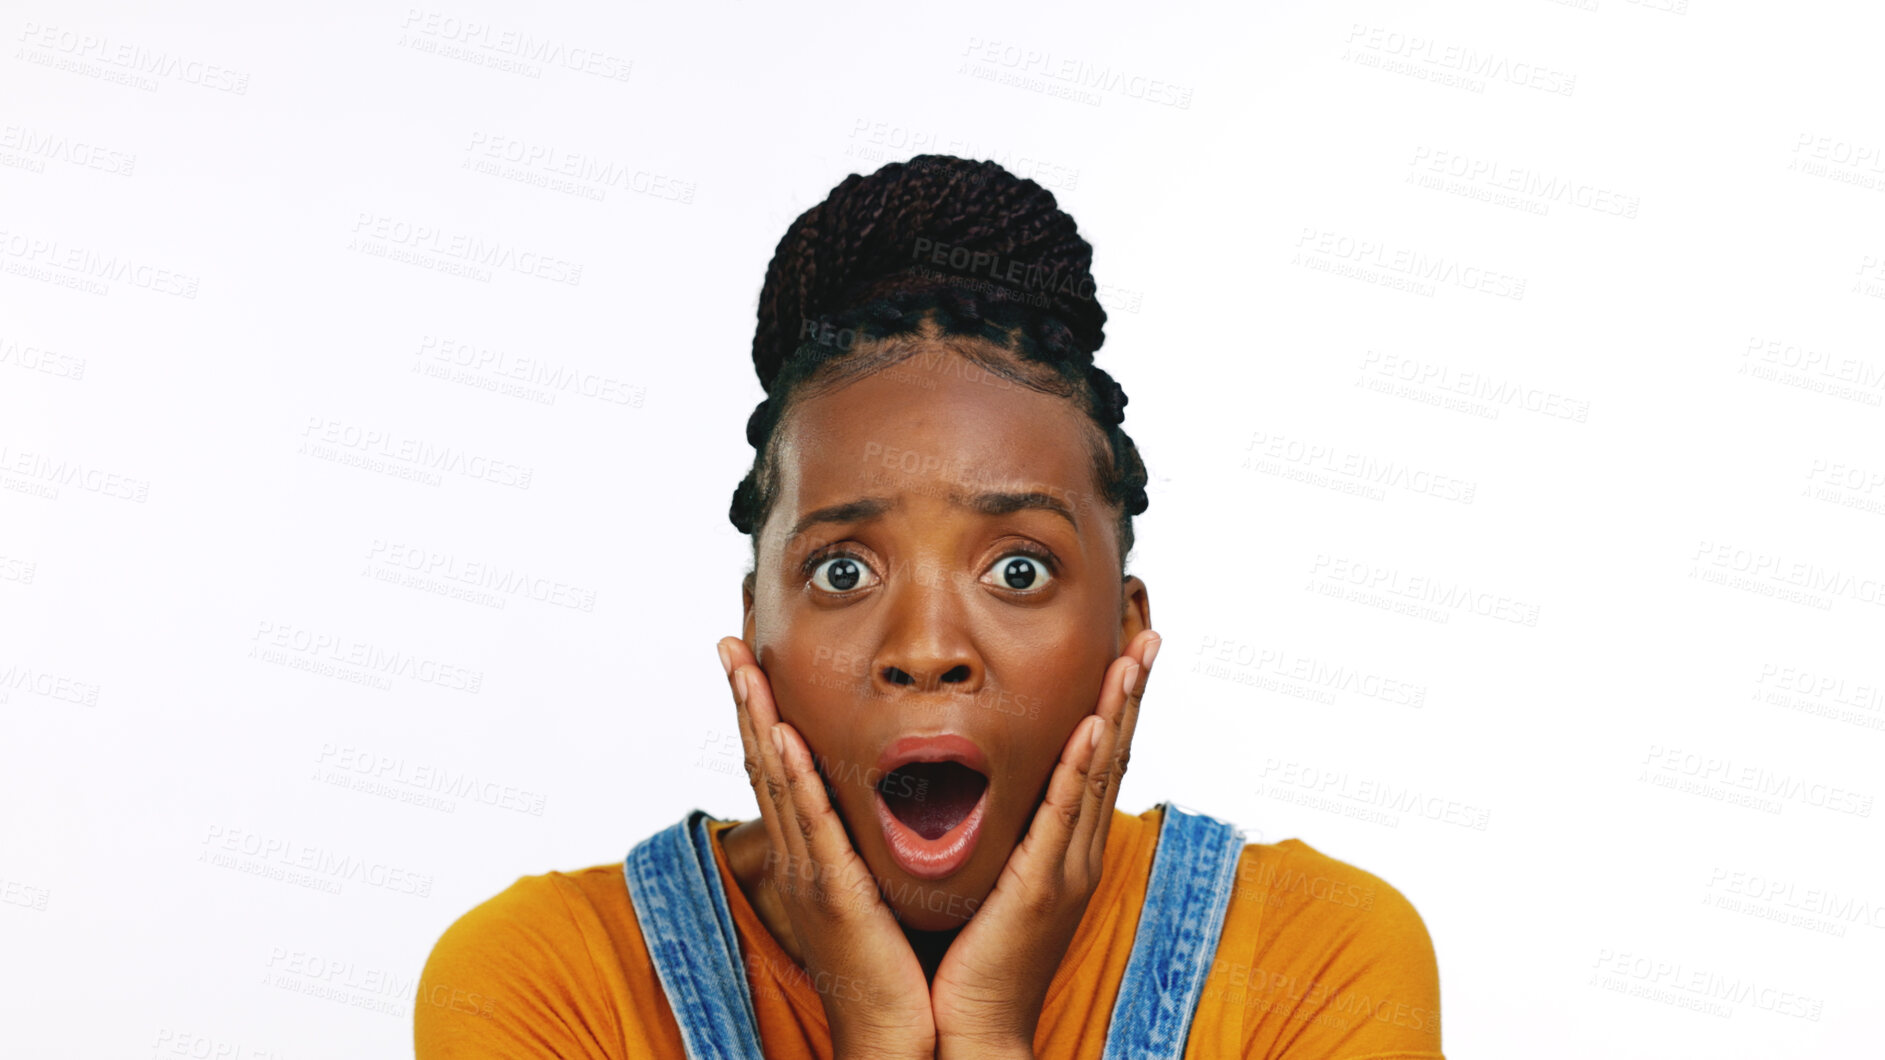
(1666, 449)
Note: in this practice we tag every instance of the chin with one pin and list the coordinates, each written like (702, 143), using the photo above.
(934, 905)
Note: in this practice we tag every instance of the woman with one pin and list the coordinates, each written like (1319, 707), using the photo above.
(940, 668)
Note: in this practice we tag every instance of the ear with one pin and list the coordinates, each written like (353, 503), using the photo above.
(748, 625)
(1135, 611)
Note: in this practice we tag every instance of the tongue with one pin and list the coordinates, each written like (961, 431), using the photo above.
(932, 797)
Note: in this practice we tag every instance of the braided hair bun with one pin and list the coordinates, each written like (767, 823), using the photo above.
(964, 244)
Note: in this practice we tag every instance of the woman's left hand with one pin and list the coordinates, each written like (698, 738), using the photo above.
(992, 983)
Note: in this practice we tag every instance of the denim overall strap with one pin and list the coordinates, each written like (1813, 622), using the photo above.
(1193, 870)
(674, 886)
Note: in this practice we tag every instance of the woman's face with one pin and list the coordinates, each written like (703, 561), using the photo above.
(904, 607)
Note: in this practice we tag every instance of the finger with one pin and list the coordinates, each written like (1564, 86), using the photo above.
(737, 655)
(1118, 749)
(752, 742)
(1051, 833)
(772, 787)
(765, 717)
(1129, 718)
(740, 680)
(724, 646)
(764, 713)
(833, 860)
(759, 698)
(1095, 801)
(1119, 706)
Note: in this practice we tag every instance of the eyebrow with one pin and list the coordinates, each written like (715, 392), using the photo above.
(866, 508)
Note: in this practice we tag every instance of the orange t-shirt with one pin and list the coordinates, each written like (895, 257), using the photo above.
(1318, 959)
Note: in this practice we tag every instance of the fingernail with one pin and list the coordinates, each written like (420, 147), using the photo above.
(1151, 650)
(1131, 675)
(726, 658)
(739, 686)
(1093, 737)
(778, 741)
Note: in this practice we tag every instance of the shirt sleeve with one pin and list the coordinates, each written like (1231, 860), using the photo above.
(515, 978)
(1342, 967)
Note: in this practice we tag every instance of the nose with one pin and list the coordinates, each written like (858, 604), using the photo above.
(926, 645)
(955, 675)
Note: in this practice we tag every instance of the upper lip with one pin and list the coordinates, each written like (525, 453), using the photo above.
(941, 747)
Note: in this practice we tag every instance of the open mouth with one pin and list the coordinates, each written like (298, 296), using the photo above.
(931, 802)
(932, 798)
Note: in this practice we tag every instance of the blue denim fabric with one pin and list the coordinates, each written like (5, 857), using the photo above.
(675, 888)
(1193, 870)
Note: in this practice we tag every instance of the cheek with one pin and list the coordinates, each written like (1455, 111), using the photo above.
(1069, 688)
(1041, 717)
(817, 677)
(804, 704)
(826, 719)
(817, 653)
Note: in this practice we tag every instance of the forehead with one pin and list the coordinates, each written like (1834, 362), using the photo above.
(934, 424)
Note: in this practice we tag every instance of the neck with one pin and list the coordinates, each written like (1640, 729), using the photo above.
(929, 947)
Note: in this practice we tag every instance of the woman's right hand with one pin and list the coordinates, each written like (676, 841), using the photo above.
(875, 994)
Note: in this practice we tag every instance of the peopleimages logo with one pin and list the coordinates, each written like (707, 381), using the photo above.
(1021, 61)
(1023, 275)
(129, 58)
(487, 43)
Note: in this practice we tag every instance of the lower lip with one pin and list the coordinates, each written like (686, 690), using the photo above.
(931, 859)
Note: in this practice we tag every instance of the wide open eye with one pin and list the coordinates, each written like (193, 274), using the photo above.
(840, 574)
(1022, 571)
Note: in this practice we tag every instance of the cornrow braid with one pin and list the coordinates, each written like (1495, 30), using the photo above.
(960, 246)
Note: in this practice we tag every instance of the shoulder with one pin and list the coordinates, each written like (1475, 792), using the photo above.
(524, 972)
(532, 918)
(1317, 947)
(1305, 892)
